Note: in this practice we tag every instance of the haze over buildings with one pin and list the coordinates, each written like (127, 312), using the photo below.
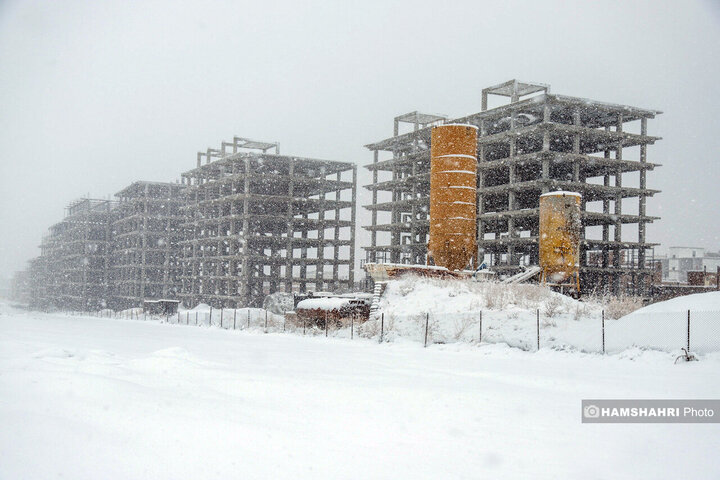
(96, 96)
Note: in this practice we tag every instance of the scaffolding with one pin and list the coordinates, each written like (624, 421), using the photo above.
(537, 143)
(260, 223)
(145, 238)
(72, 272)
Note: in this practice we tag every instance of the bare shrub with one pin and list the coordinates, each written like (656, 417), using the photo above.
(617, 307)
(529, 295)
(433, 330)
(496, 296)
(405, 288)
(370, 328)
(552, 306)
(462, 325)
(389, 323)
(548, 322)
(579, 313)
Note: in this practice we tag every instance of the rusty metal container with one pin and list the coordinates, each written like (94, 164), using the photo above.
(560, 231)
(453, 196)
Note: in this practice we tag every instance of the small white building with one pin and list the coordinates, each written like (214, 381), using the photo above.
(681, 260)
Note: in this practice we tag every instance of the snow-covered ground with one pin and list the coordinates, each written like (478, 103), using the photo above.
(89, 398)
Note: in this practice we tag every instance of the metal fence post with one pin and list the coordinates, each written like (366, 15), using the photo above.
(688, 333)
(427, 320)
(537, 322)
(603, 332)
(248, 317)
(266, 315)
(284, 322)
(234, 316)
(196, 318)
(210, 322)
(326, 323)
(222, 312)
(304, 322)
(382, 326)
(480, 336)
(352, 326)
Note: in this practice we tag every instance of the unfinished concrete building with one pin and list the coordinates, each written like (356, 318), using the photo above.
(258, 222)
(37, 283)
(537, 143)
(21, 287)
(145, 237)
(74, 260)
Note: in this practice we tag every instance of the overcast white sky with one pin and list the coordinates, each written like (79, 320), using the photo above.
(95, 95)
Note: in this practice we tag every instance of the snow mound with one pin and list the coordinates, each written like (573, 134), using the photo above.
(54, 352)
(413, 294)
(664, 325)
(700, 301)
(201, 307)
(332, 303)
(169, 359)
(452, 309)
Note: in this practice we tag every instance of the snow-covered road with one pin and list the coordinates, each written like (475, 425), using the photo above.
(89, 398)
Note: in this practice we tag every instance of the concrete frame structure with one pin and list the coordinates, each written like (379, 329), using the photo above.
(73, 271)
(32, 283)
(259, 222)
(145, 236)
(527, 147)
(21, 287)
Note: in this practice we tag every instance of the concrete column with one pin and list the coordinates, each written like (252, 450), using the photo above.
(545, 174)
(546, 112)
(395, 215)
(576, 145)
(303, 255)
(290, 232)
(414, 213)
(618, 211)
(511, 191)
(642, 208)
(373, 234)
(320, 265)
(336, 233)
(351, 272)
(480, 207)
(143, 239)
(245, 273)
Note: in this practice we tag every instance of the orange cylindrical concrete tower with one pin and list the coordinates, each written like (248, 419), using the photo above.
(560, 231)
(453, 195)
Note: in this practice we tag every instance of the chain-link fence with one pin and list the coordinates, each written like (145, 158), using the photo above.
(696, 331)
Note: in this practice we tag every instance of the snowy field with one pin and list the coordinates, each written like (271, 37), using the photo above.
(91, 398)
